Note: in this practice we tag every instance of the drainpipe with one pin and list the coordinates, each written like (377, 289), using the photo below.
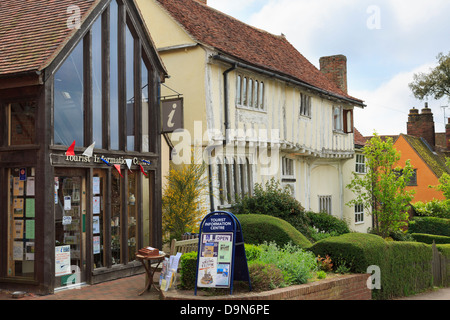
(227, 126)
(226, 100)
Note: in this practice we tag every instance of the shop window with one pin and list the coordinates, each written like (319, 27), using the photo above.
(22, 123)
(97, 85)
(145, 107)
(21, 223)
(114, 77)
(98, 218)
(116, 210)
(68, 100)
(130, 89)
(69, 230)
(132, 215)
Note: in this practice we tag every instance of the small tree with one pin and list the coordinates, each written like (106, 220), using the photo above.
(436, 83)
(383, 189)
(183, 199)
(444, 182)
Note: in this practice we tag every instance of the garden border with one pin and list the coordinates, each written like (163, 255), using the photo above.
(342, 287)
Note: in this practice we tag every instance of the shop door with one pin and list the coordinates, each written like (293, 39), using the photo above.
(70, 233)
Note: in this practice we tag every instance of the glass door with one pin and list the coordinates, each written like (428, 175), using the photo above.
(70, 205)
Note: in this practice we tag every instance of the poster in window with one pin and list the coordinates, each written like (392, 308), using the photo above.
(62, 261)
(96, 205)
(96, 224)
(30, 186)
(96, 244)
(29, 251)
(18, 250)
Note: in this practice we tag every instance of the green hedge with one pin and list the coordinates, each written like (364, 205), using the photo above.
(429, 238)
(327, 223)
(405, 266)
(430, 225)
(258, 228)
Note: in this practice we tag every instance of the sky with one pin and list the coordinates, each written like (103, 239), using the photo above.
(386, 42)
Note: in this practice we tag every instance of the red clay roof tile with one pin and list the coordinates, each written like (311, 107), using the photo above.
(32, 32)
(257, 47)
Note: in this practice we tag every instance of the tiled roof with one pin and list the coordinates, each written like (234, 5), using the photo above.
(32, 32)
(239, 40)
(434, 160)
(358, 138)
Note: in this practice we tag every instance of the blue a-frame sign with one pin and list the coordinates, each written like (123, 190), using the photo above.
(221, 255)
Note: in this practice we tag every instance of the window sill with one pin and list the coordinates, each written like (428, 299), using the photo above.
(238, 106)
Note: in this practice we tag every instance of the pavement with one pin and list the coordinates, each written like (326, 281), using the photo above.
(130, 287)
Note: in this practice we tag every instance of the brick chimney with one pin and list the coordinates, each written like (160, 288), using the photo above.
(335, 68)
(447, 134)
(422, 125)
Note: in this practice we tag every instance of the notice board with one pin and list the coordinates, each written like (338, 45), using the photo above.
(221, 252)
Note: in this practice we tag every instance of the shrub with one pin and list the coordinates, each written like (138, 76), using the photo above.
(258, 229)
(324, 222)
(271, 199)
(434, 208)
(252, 252)
(429, 238)
(297, 265)
(265, 277)
(430, 225)
(188, 270)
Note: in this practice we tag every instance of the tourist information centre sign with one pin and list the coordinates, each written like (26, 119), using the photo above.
(221, 252)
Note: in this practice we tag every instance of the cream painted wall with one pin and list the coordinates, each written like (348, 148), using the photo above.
(323, 158)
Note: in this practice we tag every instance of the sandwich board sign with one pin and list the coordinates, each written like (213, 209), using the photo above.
(221, 253)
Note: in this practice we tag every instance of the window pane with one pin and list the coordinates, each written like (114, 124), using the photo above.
(130, 88)
(22, 125)
(116, 210)
(97, 83)
(68, 100)
(238, 90)
(261, 96)
(21, 223)
(145, 111)
(114, 75)
(132, 216)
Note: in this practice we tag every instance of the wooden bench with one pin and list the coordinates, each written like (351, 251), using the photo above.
(183, 246)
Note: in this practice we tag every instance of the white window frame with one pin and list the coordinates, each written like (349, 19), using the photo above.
(250, 93)
(359, 213)
(287, 167)
(305, 105)
(360, 163)
(338, 123)
(325, 204)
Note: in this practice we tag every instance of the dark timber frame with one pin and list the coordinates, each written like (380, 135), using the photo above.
(49, 159)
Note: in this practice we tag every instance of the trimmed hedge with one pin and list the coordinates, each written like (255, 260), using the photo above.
(405, 266)
(429, 238)
(327, 223)
(259, 228)
(430, 225)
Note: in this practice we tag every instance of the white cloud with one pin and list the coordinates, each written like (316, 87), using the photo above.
(388, 106)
